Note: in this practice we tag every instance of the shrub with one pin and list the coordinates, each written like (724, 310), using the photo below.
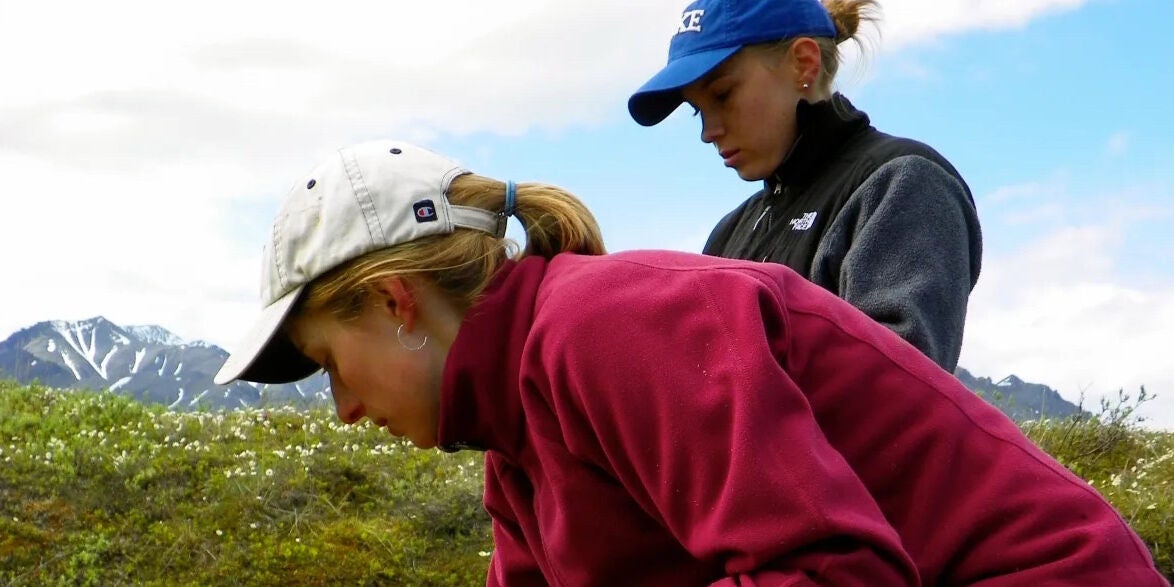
(1131, 466)
(96, 489)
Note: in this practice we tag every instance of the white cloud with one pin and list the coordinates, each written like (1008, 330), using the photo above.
(908, 22)
(135, 247)
(1029, 191)
(1117, 144)
(1057, 313)
(138, 138)
(226, 74)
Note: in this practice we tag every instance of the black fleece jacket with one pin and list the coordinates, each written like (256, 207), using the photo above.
(884, 222)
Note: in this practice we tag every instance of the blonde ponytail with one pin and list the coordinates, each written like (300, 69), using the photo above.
(555, 220)
(848, 14)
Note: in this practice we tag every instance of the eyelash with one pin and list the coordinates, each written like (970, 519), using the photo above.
(719, 98)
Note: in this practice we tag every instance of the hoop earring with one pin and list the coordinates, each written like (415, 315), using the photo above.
(399, 335)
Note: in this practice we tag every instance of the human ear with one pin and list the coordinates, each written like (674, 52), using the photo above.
(397, 297)
(806, 61)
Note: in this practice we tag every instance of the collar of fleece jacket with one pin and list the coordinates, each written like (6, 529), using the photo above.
(479, 407)
(823, 128)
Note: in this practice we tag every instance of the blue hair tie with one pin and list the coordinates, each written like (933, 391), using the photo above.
(511, 195)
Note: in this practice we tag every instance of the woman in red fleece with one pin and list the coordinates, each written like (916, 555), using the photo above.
(655, 418)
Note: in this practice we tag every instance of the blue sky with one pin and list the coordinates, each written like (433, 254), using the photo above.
(145, 162)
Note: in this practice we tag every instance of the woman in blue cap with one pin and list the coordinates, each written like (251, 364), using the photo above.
(884, 222)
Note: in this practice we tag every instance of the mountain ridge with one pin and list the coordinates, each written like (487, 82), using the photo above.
(152, 364)
(147, 362)
(1017, 398)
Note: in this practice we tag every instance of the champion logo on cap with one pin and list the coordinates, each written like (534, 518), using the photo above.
(425, 211)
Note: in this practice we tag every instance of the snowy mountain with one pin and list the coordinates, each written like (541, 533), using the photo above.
(1017, 398)
(154, 334)
(155, 365)
(148, 362)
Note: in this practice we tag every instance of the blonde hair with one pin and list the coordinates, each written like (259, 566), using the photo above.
(463, 263)
(847, 15)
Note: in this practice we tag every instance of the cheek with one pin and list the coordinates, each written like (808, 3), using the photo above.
(773, 126)
(385, 378)
(753, 111)
(370, 374)
(359, 369)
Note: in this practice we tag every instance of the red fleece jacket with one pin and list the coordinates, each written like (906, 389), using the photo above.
(656, 418)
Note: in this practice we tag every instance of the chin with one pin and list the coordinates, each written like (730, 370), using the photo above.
(748, 171)
(752, 174)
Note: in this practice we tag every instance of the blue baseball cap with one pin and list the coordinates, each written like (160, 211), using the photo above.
(710, 32)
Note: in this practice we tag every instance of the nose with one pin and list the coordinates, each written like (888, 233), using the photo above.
(711, 128)
(350, 409)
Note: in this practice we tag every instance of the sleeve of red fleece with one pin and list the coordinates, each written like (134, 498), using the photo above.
(512, 563)
(694, 416)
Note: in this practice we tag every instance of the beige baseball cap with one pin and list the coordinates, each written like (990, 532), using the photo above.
(363, 198)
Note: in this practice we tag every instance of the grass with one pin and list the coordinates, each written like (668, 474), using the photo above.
(97, 489)
(1131, 466)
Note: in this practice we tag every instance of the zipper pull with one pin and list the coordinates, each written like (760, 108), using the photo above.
(765, 214)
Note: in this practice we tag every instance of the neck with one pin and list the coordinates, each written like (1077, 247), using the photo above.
(820, 128)
(440, 317)
(814, 95)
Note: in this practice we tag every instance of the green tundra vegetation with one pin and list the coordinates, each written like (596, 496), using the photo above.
(98, 489)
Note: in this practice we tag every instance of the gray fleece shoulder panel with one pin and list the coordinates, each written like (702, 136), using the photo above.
(907, 249)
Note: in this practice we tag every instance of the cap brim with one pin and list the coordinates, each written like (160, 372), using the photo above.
(657, 98)
(266, 355)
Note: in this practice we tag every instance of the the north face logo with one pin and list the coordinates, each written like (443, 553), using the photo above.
(803, 222)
